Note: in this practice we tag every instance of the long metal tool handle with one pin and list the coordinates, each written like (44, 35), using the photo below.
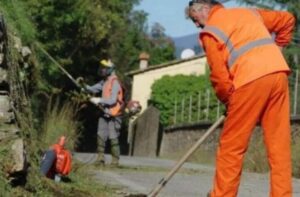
(165, 180)
(64, 71)
(57, 64)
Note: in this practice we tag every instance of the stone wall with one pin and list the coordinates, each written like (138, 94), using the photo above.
(182, 137)
(146, 134)
(12, 99)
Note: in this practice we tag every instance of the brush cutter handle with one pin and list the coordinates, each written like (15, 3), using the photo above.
(57, 64)
(78, 85)
(165, 180)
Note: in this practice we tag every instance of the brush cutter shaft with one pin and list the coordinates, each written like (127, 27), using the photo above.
(165, 180)
(64, 71)
(57, 64)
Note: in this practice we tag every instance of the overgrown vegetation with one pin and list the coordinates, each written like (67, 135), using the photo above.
(17, 19)
(60, 119)
(178, 93)
(4, 182)
(77, 34)
(78, 184)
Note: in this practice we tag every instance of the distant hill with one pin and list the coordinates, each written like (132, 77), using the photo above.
(188, 41)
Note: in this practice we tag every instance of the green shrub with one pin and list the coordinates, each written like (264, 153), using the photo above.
(177, 92)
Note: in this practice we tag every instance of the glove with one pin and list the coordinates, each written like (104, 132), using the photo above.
(95, 100)
(82, 85)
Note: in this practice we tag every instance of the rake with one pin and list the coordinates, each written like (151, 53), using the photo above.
(166, 179)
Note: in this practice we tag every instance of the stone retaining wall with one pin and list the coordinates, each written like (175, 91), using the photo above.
(182, 137)
(13, 154)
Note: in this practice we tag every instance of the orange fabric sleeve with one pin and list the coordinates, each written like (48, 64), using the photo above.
(281, 23)
(219, 73)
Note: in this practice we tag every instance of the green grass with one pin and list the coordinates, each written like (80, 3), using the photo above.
(5, 163)
(78, 184)
(296, 155)
(60, 119)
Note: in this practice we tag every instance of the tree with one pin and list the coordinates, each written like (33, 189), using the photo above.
(162, 46)
(78, 33)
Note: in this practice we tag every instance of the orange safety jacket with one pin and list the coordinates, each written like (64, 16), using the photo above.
(250, 51)
(114, 110)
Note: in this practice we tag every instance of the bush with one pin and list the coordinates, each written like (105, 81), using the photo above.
(177, 92)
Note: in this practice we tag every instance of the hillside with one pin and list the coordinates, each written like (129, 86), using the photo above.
(189, 41)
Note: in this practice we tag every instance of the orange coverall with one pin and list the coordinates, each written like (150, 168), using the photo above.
(264, 100)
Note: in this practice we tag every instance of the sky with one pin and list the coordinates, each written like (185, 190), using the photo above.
(170, 14)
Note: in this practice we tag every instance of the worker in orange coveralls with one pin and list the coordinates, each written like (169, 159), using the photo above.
(249, 75)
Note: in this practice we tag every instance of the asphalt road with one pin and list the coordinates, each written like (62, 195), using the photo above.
(141, 175)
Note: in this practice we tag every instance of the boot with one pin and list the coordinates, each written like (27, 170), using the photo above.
(100, 149)
(115, 152)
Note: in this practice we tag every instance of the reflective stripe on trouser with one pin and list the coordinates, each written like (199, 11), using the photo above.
(266, 100)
